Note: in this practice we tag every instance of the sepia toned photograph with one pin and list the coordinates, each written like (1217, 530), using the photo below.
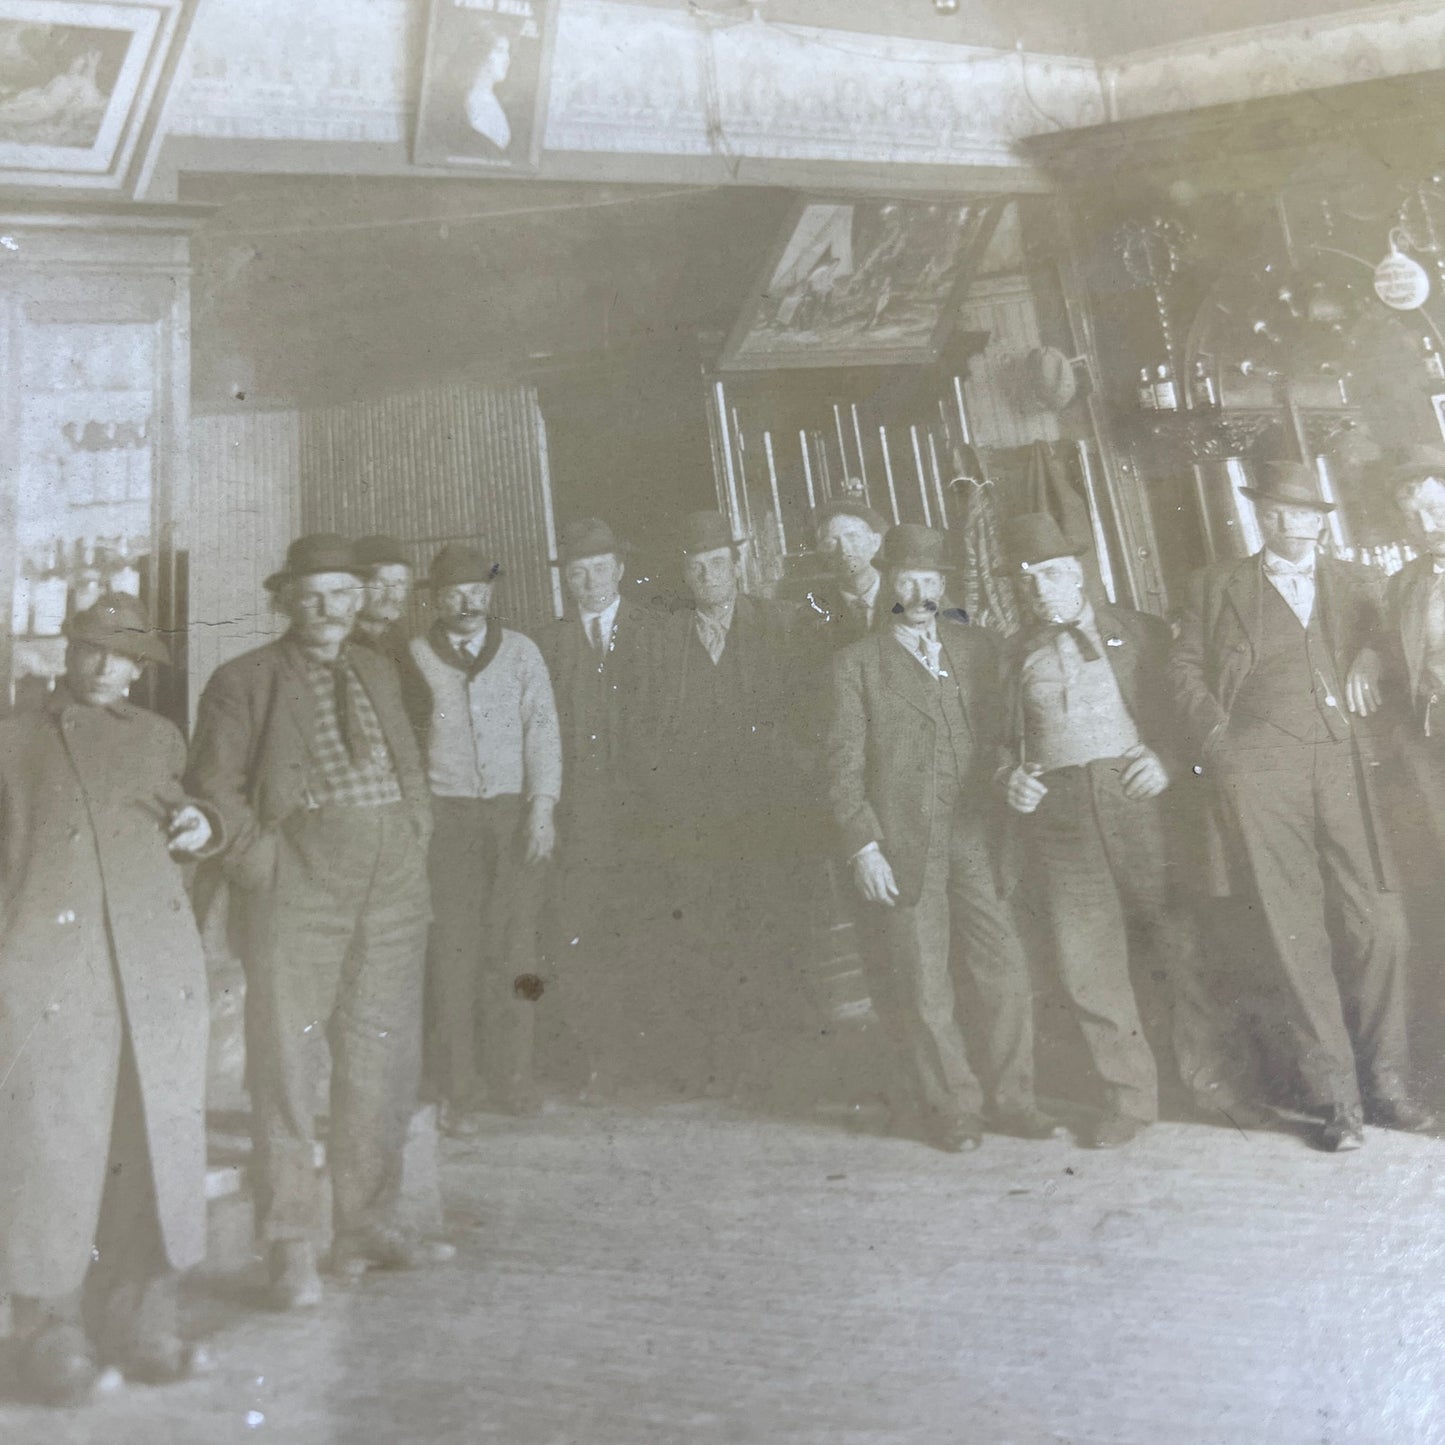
(723, 722)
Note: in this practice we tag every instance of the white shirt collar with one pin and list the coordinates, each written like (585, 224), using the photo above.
(869, 594)
(472, 646)
(1273, 562)
(608, 616)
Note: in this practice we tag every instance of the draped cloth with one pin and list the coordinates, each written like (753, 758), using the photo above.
(980, 586)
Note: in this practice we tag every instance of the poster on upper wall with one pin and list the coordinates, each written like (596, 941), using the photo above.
(862, 283)
(80, 88)
(484, 84)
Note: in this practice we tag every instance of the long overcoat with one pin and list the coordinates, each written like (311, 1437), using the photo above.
(97, 937)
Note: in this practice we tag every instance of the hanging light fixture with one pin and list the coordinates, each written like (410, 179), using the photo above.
(1401, 282)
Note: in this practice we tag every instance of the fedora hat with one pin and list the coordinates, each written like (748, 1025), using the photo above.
(1051, 377)
(316, 552)
(849, 507)
(457, 565)
(1033, 537)
(706, 532)
(911, 547)
(1414, 464)
(1289, 482)
(588, 537)
(380, 550)
(118, 623)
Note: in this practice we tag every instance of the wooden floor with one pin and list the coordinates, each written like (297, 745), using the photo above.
(687, 1275)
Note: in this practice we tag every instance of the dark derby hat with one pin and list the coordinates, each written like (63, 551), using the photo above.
(1415, 464)
(588, 537)
(118, 623)
(845, 507)
(1033, 537)
(457, 565)
(1290, 482)
(909, 547)
(380, 550)
(706, 532)
(318, 552)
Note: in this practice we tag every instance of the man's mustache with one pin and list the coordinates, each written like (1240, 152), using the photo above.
(899, 609)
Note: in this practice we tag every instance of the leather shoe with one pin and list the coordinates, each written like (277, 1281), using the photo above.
(1403, 1113)
(59, 1366)
(1113, 1131)
(379, 1248)
(295, 1284)
(955, 1133)
(1028, 1123)
(167, 1360)
(1343, 1129)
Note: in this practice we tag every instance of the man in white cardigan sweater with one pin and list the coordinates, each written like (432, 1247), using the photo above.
(494, 762)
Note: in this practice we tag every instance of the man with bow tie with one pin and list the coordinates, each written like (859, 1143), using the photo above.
(599, 656)
(494, 762)
(1406, 662)
(1088, 722)
(1259, 674)
(913, 750)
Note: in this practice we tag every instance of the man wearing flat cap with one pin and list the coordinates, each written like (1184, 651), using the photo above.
(598, 656)
(1089, 727)
(104, 1019)
(726, 780)
(1404, 665)
(304, 749)
(1259, 675)
(494, 763)
(385, 593)
(915, 744)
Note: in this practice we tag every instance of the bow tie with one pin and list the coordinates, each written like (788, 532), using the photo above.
(1280, 567)
(1082, 640)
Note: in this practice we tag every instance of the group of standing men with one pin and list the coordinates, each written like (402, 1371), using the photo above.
(655, 771)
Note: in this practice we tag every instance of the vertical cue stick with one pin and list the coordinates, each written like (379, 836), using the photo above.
(808, 471)
(727, 453)
(823, 466)
(743, 475)
(777, 498)
(888, 472)
(962, 410)
(922, 480)
(842, 447)
(862, 460)
(937, 482)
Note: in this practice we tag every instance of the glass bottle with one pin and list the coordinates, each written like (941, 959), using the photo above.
(1146, 390)
(1166, 393)
(50, 595)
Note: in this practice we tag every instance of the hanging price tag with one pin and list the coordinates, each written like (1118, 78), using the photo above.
(1401, 283)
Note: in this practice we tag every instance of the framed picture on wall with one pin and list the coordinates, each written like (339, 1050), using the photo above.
(81, 85)
(484, 84)
(862, 283)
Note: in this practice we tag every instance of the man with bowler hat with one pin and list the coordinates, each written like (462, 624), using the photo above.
(1259, 675)
(848, 534)
(915, 744)
(494, 762)
(599, 656)
(1089, 726)
(728, 764)
(104, 1020)
(303, 748)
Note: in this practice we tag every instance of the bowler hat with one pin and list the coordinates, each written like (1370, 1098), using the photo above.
(909, 547)
(317, 552)
(1290, 482)
(846, 507)
(118, 623)
(1034, 537)
(588, 537)
(1051, 377)
(1415, 464)
(457, 564)
(380, 550)
(706, 532)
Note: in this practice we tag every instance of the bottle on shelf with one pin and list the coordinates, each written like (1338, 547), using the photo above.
(50, 594)
(126, 577)
(1434, 362)
(1166, 393)
(1203, 391)
(89, 579)
(1146, 390)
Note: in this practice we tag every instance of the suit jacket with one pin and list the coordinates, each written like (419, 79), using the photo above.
(882, 754)
(1215, 652)
(252, 746)
(1402, 635)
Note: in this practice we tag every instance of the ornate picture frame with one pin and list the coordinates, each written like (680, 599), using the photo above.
(484, 84)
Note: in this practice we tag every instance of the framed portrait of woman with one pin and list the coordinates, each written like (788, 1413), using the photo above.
(484, 84)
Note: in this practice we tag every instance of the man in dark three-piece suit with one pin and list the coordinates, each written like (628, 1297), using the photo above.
(912, 754)
(1259, 673)
(599, 656)
(304, 749)
(1091, 738)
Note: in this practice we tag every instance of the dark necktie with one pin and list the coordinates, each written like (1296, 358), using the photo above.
(1082, 640)
(346, 722)
(595, 637)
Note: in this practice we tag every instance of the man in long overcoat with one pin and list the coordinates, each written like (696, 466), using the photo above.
(104, 1019)
(1259, 673)
(304, 748)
